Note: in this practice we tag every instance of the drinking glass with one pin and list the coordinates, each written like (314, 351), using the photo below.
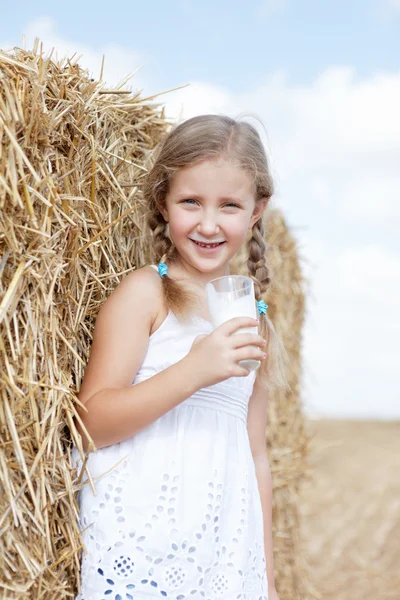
(233, 296)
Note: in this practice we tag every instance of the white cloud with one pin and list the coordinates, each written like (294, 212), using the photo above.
(195, 99)
(352, 333)
(375, 197)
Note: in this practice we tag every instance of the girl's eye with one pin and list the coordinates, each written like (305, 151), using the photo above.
(190, 200)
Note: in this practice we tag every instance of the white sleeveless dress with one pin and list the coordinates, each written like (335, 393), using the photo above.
(177, 512)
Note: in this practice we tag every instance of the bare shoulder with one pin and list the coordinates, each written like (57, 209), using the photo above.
(141, 287)
(121, 335)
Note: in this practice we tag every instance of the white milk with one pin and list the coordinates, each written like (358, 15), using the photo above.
(225, 306)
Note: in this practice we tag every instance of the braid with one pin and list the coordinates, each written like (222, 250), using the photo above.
(272, 371)
(176, 297)
(162, 245)
(256, 263)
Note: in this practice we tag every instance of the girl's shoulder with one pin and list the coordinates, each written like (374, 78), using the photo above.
(121, 335)
(144, 286)
(141, 287)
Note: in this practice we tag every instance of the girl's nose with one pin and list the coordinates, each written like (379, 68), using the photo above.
(208, 225)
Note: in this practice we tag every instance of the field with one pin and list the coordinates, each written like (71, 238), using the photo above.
(351, 510)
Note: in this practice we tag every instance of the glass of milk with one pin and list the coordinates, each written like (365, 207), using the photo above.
(233, 296)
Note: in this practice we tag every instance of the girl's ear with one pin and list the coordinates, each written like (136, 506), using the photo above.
(164, 213)
(258, 211)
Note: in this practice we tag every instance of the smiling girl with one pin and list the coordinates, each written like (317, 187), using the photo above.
(183, 487)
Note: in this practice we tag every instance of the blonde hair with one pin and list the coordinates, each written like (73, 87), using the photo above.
(210, 137)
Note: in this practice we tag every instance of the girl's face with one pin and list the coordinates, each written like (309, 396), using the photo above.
(210, 202)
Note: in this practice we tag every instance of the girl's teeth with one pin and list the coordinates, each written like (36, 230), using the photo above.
(207, 245)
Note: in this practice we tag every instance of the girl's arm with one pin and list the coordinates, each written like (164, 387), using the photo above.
(256, 427)
(114, 409)
(264, 480)
(115, 414)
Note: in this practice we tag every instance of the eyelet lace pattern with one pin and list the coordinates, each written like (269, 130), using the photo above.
(202, 564)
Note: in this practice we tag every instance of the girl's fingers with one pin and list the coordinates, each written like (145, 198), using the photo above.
(249, 352)
(247, 339)
(236, 323)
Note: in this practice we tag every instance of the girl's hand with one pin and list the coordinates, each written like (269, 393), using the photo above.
(215, 357)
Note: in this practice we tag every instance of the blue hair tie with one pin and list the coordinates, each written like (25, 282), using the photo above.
(162, 269)
(262, 307)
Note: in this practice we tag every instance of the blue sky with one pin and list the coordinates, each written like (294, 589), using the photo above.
(324, 78)
(230, 43)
